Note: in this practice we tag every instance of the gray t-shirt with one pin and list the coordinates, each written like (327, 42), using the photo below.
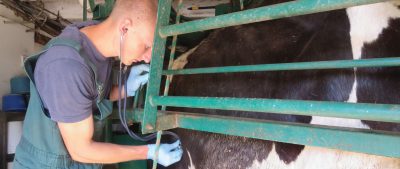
(66, 83)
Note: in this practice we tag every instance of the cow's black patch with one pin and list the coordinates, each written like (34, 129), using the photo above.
(288, 152)
(208, 150)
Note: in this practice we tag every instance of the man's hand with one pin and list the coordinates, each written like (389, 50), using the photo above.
(168, 153)
(138, 76)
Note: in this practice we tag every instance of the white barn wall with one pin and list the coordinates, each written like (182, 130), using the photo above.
(14, 42)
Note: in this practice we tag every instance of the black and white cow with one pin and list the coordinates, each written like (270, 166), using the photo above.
(368, 31)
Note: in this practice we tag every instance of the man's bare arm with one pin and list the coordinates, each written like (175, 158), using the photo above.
(78, 140)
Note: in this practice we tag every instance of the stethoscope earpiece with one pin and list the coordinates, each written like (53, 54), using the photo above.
(124, 31)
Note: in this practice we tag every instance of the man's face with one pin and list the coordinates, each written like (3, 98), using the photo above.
(138, 44)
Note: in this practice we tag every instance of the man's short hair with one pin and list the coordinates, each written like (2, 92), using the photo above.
(139, 9)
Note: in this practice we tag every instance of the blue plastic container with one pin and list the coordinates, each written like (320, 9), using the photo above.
(19, 85)
(14, 103)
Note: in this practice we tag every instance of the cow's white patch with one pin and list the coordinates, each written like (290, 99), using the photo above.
(330, 121)
(353, 93)
(317, 158)
(368, 21)
(191, 161)
(340, 122)
(181, 61)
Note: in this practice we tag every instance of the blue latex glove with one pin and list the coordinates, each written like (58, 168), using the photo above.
(168, 153)
(138, 76)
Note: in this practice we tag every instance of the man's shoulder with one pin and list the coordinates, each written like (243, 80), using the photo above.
(60, 54)
(61, 59)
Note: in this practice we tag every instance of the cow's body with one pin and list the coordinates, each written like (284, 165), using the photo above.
(355, 33)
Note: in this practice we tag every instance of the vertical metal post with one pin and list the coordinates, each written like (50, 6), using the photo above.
(136, 99)
(92, 5)
(84, 10)
(159, 134)
(108, 130)
(172, 56)
(156, 66)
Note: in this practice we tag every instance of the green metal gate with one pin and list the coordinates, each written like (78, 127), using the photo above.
(359, 140)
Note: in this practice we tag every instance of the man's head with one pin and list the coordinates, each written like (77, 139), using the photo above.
(136, 21)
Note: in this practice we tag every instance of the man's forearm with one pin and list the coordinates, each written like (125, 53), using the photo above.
(107, 153)
(78, 140)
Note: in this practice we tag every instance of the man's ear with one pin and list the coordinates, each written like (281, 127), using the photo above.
(126, 25)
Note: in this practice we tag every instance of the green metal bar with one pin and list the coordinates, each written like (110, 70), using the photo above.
(294, 8)
(153, 87)
(92, 5)
(358, 140)
(172, 56)
(373, 142)
(363, 111)
(159, 134)
(84, 10)
(338, 64)
(136, 99)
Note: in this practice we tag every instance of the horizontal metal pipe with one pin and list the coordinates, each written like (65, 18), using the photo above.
(339, 64)
(363, 111)
(295, 8)
(358, 140)
(373, 142)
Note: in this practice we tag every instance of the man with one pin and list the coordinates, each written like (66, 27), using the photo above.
(70, 86)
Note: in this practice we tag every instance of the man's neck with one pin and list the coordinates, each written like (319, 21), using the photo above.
(103, 38)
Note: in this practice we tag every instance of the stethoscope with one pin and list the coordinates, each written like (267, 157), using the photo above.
(122, 108)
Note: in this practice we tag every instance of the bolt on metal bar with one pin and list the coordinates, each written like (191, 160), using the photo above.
(172, 55)
(294, 8)
(362, 111)
(338, 64)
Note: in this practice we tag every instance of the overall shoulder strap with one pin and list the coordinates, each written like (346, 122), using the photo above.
(60, 41)
(30, 62)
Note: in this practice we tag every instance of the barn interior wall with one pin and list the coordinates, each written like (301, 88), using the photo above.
(15, 42)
